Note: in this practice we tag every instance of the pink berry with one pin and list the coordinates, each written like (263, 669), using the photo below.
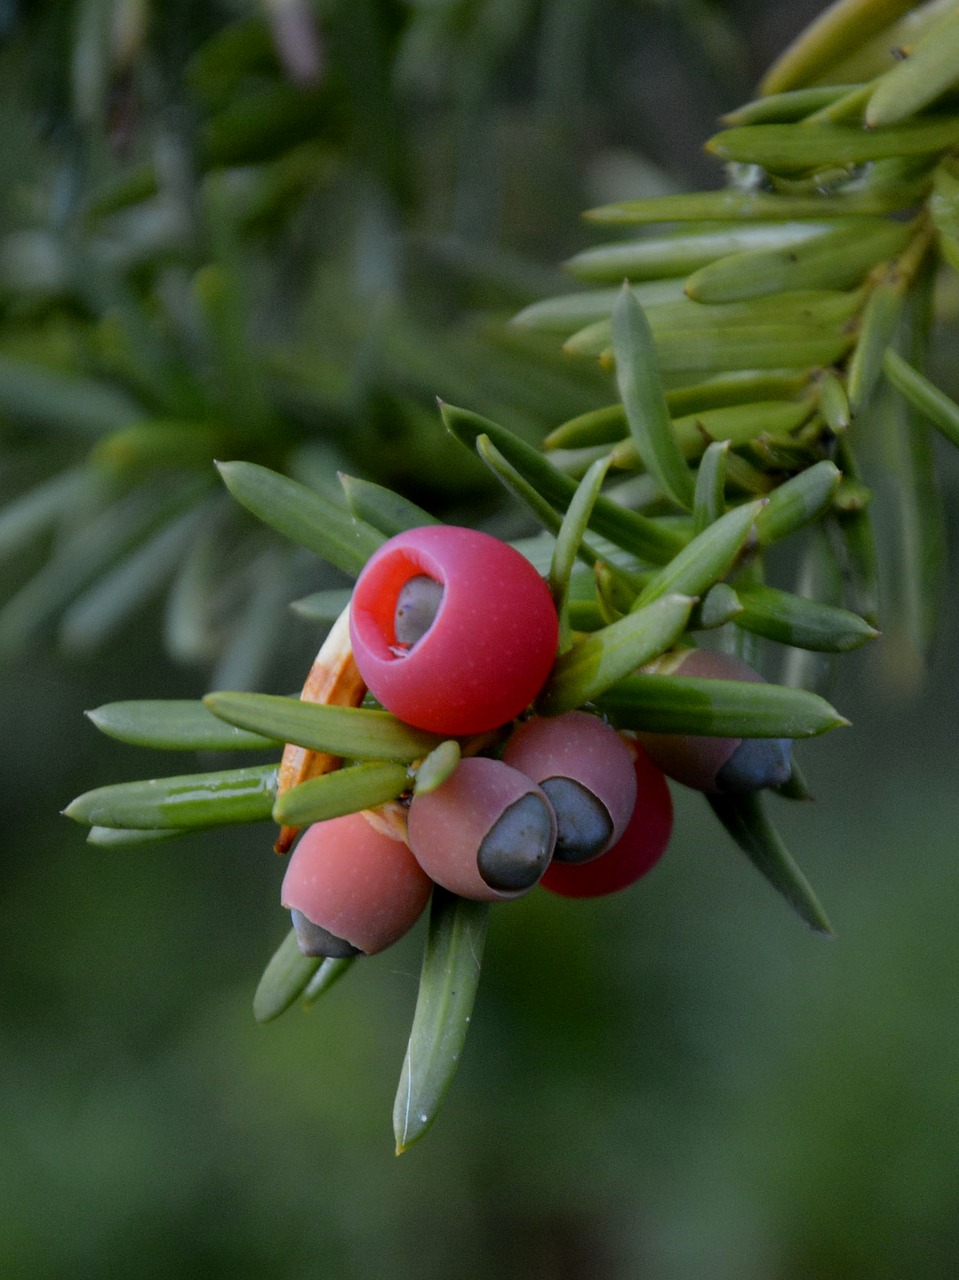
(718, 765)
(452, 630)
(586, 771)
(486, 833)
(352, 889)
(638, 849)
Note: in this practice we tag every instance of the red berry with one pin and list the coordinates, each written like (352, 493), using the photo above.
(351, 888)
(452, 630)
(586, 771)
(717, 765)
(486, 833)
(638, 849)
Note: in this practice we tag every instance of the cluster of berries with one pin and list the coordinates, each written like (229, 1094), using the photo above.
(456, 633)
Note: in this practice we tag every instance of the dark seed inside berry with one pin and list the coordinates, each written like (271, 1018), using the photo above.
(583, 825)
(313, 940)
(756, 763)
(416, 608)
(516, 850)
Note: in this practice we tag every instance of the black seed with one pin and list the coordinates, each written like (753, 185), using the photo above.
(756, 763)
(516, 850)
(583, 825)
(416, 608)
(313, 940)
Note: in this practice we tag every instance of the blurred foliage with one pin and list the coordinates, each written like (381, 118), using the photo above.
(278, 232)
(676, 1085)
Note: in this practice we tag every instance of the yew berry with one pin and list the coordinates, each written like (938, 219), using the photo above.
(352, 889)
(452, 630)
(586, 771)
(637, 850)
(718, 765)
(486, 833)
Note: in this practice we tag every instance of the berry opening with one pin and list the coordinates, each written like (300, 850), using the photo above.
(516, 850)
(313, 940)
(756, 763)
(417, 605)
(584, 827)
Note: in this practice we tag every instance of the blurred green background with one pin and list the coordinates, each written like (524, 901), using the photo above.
(677, 1083)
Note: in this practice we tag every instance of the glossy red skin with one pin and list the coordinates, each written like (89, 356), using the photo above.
(490, 648)
(637, 851)
(447, 826)
(580, 746)
(355, 882)
(692, 759)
